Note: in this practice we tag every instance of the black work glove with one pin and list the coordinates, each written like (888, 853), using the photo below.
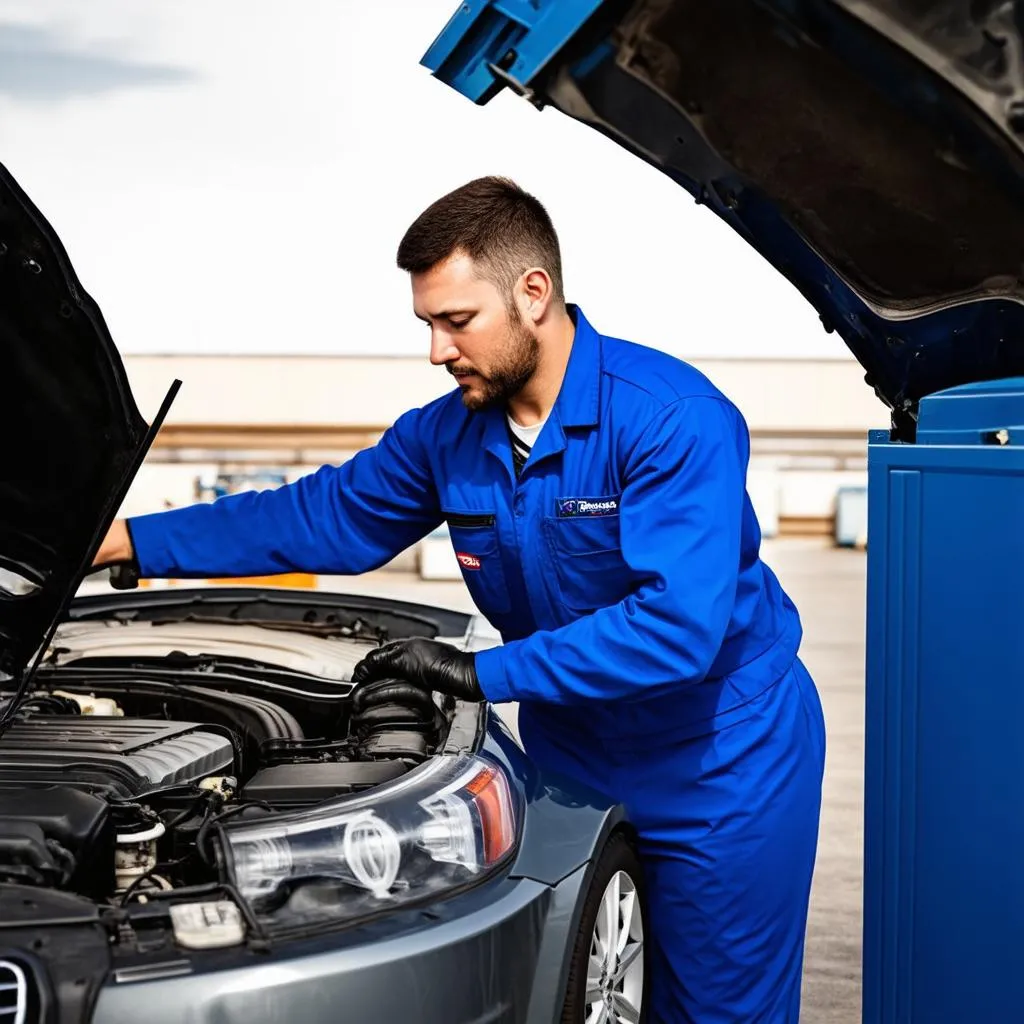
(427, 663)
(125, 575)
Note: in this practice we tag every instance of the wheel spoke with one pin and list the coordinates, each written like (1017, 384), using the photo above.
(628, 904)
(628, 958)
(611, 917)
(624, 1009)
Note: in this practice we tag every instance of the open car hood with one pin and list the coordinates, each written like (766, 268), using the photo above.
(73, 438)
(871, 150)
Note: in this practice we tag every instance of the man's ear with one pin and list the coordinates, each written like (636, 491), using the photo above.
(535, 294)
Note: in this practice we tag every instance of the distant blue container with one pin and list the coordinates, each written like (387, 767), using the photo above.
(851, 515)
(944, 796)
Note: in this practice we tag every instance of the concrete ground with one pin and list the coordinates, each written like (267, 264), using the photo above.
(827, 585)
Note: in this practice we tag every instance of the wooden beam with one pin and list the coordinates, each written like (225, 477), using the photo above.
(283, 435)
(243, 436)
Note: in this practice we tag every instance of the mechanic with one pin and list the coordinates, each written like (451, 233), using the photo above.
(595, 494)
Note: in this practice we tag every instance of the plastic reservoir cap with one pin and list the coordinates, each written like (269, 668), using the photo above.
(987, 412)
(210, 925)
(101, 707)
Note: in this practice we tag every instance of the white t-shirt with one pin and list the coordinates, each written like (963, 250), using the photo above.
(528, 435)
(523, 439)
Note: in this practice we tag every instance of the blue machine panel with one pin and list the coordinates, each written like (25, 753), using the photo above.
(488, 44)
(944, 796)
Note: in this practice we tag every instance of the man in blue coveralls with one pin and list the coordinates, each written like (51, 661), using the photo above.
(595, 494)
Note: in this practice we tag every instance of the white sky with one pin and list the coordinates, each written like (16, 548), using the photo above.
(235, 175)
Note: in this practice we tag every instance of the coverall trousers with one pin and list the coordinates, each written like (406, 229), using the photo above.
(728, 828)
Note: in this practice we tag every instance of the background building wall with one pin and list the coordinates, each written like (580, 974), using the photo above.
(783, 396)
(250, 420)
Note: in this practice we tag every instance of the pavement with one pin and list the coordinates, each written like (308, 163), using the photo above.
(828, 586)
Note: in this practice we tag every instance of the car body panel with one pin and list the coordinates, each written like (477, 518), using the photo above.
(870, 151)
(566, 824)
(481, 964)
(318, 610)
(73, 435)
(326, 658)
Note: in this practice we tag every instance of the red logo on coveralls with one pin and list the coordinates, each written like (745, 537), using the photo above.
(467, 561)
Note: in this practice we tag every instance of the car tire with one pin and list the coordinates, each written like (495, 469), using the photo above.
(616, 980)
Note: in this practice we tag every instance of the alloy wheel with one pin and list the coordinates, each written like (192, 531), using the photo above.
(615, 974)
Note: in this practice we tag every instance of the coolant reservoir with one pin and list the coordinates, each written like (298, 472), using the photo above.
(101, 707)
(207, 925)
(136, 855)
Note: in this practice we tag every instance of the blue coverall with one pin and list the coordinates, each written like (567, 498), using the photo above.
(654, 655)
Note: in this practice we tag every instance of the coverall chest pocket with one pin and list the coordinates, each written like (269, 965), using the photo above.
(475, 540)
(589, 568)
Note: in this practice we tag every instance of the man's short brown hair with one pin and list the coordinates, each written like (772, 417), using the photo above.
(493, 221)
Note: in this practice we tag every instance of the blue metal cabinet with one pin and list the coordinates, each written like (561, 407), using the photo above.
(944, 796)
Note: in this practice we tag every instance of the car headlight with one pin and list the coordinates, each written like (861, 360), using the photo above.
(439, 827)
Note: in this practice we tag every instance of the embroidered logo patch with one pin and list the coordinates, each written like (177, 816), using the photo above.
(570, 508)
(467, 561)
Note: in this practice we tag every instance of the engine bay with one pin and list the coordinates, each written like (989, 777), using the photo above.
(141, 737)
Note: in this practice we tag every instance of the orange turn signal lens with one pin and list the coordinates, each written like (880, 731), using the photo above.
(489, 791)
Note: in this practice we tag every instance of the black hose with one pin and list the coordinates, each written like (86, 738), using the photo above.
(178, 787)
(217, 819)
(209, 795)
(134, 887)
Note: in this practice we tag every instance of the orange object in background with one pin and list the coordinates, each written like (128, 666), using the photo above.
(298, 580)
(288, 579)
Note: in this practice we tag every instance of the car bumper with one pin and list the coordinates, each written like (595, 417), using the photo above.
(502, 960)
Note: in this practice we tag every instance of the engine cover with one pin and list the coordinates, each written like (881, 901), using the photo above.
(112, 756)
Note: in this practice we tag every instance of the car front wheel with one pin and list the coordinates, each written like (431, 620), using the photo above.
(608, 982)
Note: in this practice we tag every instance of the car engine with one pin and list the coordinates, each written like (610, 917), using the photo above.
(131, 750)
(122, 757)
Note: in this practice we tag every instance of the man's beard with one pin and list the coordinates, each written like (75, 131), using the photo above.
(508, 376)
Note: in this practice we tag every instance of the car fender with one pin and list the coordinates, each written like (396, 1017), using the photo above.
(565, 824)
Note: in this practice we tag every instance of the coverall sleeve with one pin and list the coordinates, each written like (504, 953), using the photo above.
(680, 526)
(339, 520)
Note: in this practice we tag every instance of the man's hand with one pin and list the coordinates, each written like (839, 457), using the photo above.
(116, 548)
(118, 553)
(426, 663)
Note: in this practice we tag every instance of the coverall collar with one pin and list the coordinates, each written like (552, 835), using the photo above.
(577, 405)
(579, 400)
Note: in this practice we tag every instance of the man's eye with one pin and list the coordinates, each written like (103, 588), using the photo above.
(459, 324)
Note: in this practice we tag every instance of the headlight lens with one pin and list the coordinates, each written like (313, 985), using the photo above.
(438, 827)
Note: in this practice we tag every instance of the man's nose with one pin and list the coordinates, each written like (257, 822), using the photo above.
(442, 349)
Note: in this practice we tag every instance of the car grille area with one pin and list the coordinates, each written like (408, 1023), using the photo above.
(13, 993)
(55, 956)
(111, 756)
